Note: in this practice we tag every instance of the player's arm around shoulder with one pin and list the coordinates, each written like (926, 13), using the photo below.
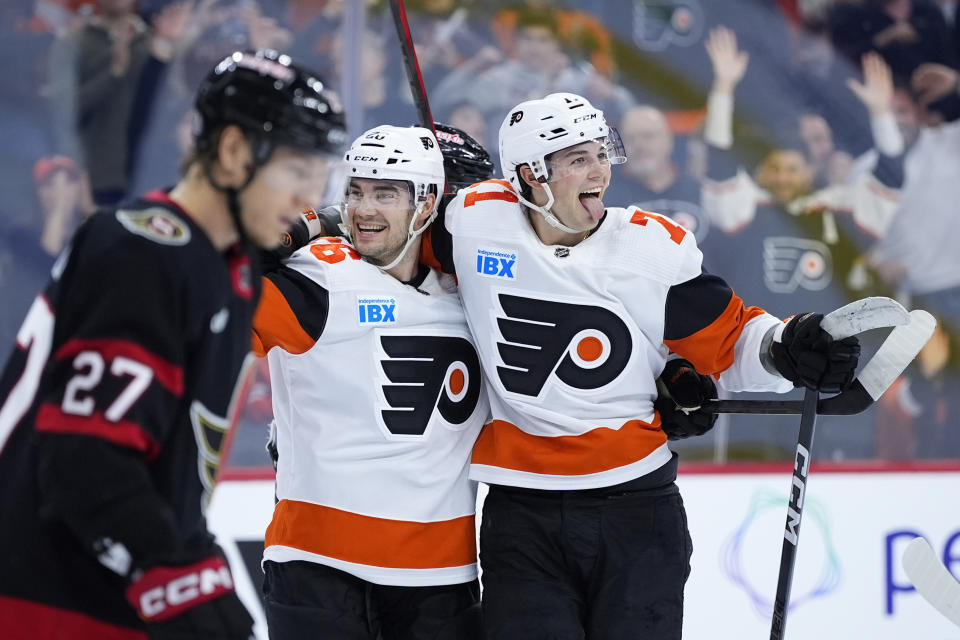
(295, 302)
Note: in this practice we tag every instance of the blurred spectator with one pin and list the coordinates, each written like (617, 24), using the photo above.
(96, 69)
(777, 242)
(381, 91)
(467, 117)
(538, 66)
(651, 180)
(830, 166)
(906, 33)
(25, 119)
(919, 413)
(781, 209)
(28, 251)
(919, 254)
(577, 31)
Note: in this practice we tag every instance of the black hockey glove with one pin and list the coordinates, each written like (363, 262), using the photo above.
(807, 356)
(682, 391)
(190, 601)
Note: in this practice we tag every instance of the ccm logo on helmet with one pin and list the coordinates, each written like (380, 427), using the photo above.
(365, 158)
(516, 117)
(425, 373)
(589, 116)
(583, 346)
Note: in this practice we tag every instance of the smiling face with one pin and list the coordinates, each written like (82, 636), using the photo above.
(288, 183)
(786, 174)
(578, 177)
(379, 212)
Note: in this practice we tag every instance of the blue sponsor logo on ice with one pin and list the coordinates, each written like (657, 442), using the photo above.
(376, 310)
(497, 263)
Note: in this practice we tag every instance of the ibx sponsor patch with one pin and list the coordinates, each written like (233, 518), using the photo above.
(497, 263)
(376, 310)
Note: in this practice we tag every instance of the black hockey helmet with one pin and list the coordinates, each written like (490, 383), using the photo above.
(465, 161)
(275, 101)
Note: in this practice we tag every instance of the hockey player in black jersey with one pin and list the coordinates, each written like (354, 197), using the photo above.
(122, 385)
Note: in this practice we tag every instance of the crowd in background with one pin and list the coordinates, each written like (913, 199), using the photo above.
(812, 146)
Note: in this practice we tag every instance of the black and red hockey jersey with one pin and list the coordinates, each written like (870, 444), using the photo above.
(116, 402)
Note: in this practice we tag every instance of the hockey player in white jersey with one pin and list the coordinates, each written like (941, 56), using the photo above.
(377, 393)
(575, 309)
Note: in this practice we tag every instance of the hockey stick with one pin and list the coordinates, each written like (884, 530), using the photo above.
(934, 582)
(856, 317)
(897, 351)
(791, 532)
(411, 64)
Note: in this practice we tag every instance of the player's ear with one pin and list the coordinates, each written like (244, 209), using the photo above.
(526, 174)
(428, 208)
(234, 157)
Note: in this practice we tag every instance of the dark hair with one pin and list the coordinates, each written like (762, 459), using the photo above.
(536, 18)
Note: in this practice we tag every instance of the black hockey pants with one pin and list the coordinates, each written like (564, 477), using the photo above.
(601, 564)
(305, 600)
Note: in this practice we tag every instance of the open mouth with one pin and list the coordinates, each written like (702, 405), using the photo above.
(366, 230)
(590, 199)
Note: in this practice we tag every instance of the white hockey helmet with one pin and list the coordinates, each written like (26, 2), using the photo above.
(536, 128)
(410, 154)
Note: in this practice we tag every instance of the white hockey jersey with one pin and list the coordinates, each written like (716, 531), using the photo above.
(378, 399)
(572, 338)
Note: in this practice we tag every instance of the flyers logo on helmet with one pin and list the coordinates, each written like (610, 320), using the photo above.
(585, 347)
(427, 373)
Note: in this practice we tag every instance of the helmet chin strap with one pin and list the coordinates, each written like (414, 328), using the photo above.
(544, 211)
(411, 236)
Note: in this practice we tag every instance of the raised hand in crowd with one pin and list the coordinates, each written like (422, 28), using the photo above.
(729, 63)
(876, 90)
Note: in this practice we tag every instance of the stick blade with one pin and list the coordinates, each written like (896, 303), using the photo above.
(932, 580)
(864, 314)
(897, 351)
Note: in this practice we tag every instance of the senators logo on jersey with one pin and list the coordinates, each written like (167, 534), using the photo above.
(427, 373)
(586, 347)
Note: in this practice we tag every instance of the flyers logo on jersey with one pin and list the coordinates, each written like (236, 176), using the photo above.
(427, 373)
(585, 347)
